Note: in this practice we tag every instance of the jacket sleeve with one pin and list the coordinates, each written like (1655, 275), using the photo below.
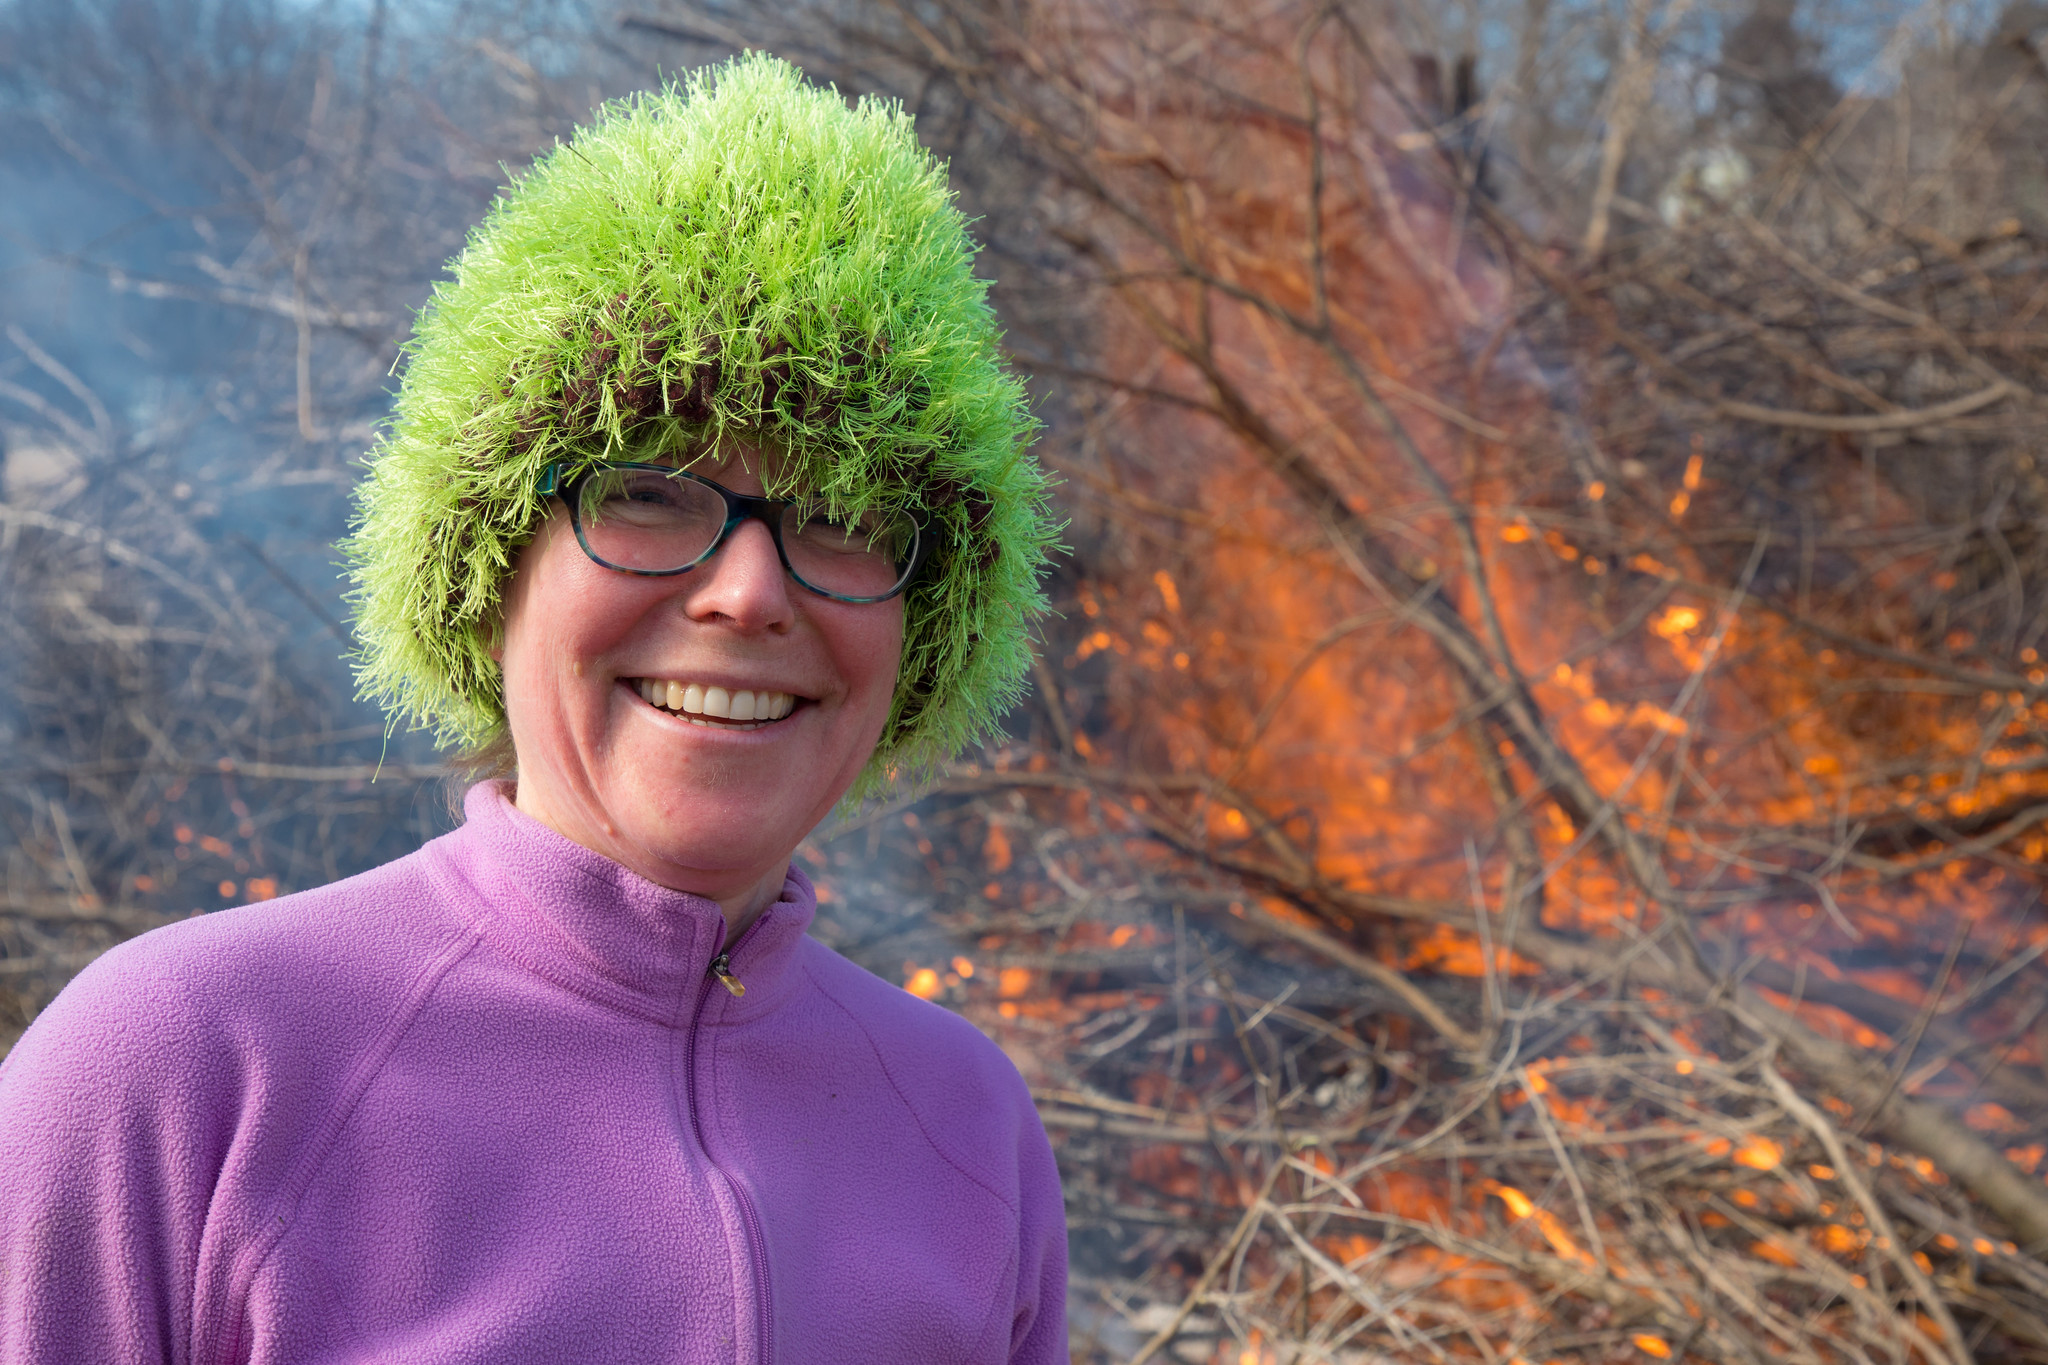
(112, 1130)
(1039, 1334)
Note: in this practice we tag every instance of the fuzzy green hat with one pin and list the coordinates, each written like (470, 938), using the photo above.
(741, 253)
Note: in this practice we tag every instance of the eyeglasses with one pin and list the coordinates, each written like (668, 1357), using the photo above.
(656, 520)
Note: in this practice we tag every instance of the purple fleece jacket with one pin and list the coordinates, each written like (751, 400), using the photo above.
(486, 1104)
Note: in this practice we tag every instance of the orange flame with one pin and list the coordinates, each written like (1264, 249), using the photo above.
(1522, 1207)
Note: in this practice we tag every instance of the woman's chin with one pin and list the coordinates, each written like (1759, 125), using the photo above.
(729, 815)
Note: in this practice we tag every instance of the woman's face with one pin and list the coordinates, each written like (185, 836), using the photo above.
(690, 801)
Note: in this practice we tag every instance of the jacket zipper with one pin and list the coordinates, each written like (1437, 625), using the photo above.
(721, 967)
(721, 971)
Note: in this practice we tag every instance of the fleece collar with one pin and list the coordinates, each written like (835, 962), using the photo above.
(584, 922)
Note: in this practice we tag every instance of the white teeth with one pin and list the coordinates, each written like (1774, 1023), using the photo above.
(742, 705)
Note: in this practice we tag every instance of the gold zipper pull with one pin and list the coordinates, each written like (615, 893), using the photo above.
(721, 967)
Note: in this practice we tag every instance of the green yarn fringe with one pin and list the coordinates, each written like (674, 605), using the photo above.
(739, 253)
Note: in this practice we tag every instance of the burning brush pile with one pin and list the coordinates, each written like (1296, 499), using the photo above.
(1530, 842)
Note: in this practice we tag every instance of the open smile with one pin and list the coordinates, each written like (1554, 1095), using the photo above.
(715, 706)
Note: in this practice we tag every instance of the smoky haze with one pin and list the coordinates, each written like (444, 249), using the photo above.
(216, 220)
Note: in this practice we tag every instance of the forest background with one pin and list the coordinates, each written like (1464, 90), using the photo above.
(1529, 837)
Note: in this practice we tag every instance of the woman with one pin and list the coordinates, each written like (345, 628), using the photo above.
(705, 503)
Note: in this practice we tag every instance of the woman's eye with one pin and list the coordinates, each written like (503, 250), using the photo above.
(825, 531)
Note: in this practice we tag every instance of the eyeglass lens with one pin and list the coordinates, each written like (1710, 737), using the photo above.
(656, 522)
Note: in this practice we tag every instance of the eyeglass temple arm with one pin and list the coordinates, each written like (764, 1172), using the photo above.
(550, 479)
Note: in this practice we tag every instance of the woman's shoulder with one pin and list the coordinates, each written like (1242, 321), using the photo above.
(195, 999)
(935, 1057)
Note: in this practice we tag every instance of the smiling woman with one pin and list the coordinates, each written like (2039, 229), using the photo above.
(707, 496)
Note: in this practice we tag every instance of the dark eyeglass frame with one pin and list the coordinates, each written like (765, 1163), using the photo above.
(739, 507)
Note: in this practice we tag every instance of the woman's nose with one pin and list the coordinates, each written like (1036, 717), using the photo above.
(743, 582)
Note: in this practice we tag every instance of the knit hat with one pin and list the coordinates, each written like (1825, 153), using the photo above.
(740, 253)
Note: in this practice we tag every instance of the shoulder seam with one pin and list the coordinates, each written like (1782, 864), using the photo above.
(882, 1058)
(1016, 1211)
(277, 1218)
